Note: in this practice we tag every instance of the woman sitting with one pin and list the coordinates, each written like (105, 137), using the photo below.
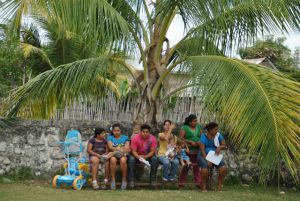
(119, 146)
(211, 141)
(166, 152)
(98, 150)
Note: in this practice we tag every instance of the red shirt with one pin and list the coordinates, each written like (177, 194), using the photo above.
(143, 146)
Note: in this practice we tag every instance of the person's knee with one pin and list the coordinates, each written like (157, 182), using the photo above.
(166, 163)
(95, 160)
(223, 169)
(175, 162)
(202, 163)
(113, 160)
(123, 161)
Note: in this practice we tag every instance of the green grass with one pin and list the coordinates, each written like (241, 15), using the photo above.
(42, 191)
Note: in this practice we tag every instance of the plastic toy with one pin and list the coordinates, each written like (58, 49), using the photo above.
(76, 167)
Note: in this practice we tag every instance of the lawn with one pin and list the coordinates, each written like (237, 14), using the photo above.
(43, 191)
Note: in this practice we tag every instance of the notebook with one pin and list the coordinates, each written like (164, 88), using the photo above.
(212, 157)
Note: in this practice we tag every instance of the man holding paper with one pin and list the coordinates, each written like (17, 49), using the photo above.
(143, 148)
(211, 143)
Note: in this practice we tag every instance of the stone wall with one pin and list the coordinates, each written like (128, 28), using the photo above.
(33, 143)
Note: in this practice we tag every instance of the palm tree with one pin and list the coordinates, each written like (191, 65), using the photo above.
(261, 107)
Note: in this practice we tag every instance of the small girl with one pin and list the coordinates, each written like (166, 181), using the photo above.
(182, 150)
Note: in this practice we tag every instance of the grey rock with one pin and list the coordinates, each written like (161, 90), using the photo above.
(232, 164)
(2, 146)
(53, 131)
(31, 139)
(7, 169)
(6, 161)
(18, 150)
(56, 153)
(247, 178)
(53, 140)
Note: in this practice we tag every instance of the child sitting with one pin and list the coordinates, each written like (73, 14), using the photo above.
(182, 149)
(171, 150)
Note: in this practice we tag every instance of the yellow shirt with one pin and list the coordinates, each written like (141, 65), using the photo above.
(164, 143)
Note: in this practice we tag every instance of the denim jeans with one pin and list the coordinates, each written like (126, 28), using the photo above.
(170, 167)
(131, 167)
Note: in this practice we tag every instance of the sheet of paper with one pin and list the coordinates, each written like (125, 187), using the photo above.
(145, 162)
(212, 157)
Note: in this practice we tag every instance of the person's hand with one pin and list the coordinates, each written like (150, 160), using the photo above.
(218, 150)
(193, 143)
(143, 156)
(126, 150)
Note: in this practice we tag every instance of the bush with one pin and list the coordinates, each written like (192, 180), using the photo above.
(21, 174)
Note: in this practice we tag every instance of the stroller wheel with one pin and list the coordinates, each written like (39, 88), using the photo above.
(77, 183)
(54, 181)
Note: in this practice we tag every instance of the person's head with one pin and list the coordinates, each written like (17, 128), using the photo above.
(100, 133)
(116, 130)
(167, 124)
(179, 143)
(145, 131)
(212, 128)
(191, 120)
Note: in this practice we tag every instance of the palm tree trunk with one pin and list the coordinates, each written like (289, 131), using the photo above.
(147, 110)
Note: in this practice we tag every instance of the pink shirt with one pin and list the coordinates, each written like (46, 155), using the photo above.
(143, 146)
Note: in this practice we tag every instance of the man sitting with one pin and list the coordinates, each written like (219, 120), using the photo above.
(143, 148)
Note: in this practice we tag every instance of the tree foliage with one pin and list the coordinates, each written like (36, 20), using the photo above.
(89, 38)
(278, 53)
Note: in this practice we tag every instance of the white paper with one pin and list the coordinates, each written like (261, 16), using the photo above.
(145, 162)
(212, 157)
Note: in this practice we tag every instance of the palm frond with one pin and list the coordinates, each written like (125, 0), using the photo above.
(60, 87)
(259, 106)
(29, 49)
(237, 22)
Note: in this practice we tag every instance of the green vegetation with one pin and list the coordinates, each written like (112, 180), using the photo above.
(89, 39)
(277, 52)
(43, 192)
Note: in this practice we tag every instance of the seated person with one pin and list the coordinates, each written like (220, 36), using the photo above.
(143, 148)
(211, 141)
(167, 151)
(118, 145)
(183, 150)
(98, 150)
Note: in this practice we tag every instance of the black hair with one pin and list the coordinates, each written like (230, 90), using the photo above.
(190, 118)
(167, 121)
(211, 125)
(115, 126)
(145, 126)
(98, 131)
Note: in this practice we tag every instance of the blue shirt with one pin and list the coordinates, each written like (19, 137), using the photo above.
(120, 142)
(209, 144)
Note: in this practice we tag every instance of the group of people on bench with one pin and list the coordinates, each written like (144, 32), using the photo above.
(189, 149)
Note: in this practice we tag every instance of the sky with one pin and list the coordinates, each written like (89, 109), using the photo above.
(176, 33)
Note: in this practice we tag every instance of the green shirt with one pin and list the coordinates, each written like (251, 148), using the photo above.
(192, 135)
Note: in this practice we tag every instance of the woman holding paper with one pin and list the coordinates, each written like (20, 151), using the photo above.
(212, 142)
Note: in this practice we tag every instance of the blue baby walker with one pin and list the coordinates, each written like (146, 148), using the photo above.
(76, 167)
